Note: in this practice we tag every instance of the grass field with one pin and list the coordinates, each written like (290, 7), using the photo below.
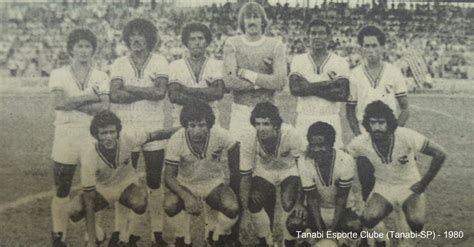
(26, 133)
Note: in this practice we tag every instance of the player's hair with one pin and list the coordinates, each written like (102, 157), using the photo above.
(266, 110)
(104, 119)
(319, 23)
(81, 34)
(322, 129)
(197, 110)
(253, 8)
(371, 31)
(378, 109)
(195, 27)
(145, 28)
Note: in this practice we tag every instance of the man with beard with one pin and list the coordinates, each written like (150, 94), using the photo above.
(195, 76)
(269, 155)
(107, 175)
(392, 149)
(138, 89)
(326, 174)
(319, 80)
(195, 165)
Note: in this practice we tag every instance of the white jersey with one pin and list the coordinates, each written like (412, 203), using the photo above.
(341, 175)
(180, 71)
(199, 168)
(332, 67)
(254, 157)
(147, 114)
(96, 170)
(387, 86)
(64, 80)
(399, 167)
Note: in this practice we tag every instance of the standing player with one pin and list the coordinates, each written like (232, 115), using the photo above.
(375, 80)
(392, 149)
(195, 166)
(107, 175)
(268, 159)
(326, 175)
(319, 80)
(195, 76)
(138, 88)
(77, 92)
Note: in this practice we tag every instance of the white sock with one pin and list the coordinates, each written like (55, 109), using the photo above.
(261, 223)
(99, 233)
(121, 217)
(224, 224)
(156, 210)
(60, 214)
(211, 220)
(181, 224)
(134, 223)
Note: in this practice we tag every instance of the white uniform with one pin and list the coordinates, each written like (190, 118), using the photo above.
(144, 114)
(387, 86)
(341, 175)
(180, 71)
(274, 167)
(71, 127)
(311, 109)
(397, 172)
(200, 172)
(110, 179)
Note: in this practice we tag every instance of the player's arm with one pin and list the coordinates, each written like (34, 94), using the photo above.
(215, 91)
(404, 112)
(341, 200)
(190, 202)
(155, 93)
(231, 79)
(119, 95)
(89, 202)
(438, 157)
(277, 80)
(352, 118)
(61, 102)
(314, 208)
(336, 91)
(95, 108)
(161, 134)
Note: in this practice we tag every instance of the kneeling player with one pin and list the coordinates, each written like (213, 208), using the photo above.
(269, 153)
(326, 174)
(195, 164)
(392, 149)
(107, 174)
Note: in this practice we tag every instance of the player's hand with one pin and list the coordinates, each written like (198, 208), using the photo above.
(257, 198)
(268, 62)
(192, 205)
(300, 211)
(418, 187)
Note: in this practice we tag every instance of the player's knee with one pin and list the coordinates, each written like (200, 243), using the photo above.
(294, 225)
(173, 205)
(138, 203)
(370, 220)
(153, 181)
(230, 207)
(76, 209)
(416, 222)
(63, 188)
(254, 203)
(289, 194)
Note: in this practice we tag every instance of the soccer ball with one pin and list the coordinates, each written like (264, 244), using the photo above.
(326, 243)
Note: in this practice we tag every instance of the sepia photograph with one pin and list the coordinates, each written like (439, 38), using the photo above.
(229, 123)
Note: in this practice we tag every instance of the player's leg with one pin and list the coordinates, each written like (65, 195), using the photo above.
(178, 219)
(377, 208)
(153, 167)
(350, 222)
(134, 197)
(291, 189)
(63, 175)
(365, 171)
(415, 212)
(262, 207)
(223, 199)
(234, 183)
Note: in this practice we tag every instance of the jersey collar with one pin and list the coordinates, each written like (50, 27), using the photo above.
(386, 159)
(374, 81)
(277, 148)
(331, 170)
(319, 69)
(116, 161)
(201, 72)
(200, 154)
(81, 84)
(140, 72)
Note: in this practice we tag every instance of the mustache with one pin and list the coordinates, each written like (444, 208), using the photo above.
(252, 25)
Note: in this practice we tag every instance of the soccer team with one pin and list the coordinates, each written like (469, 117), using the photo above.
(234, 176)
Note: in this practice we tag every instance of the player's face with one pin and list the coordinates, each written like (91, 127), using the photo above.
(318, 144)
(197, 43)
(108, 136)
(253, 23)
(82, 51)
(371, 49)
(137, 41)
(265, 128)
(197, 130)
(318, 37)
(378, 128)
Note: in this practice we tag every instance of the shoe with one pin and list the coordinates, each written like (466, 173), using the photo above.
(132, 241)
(114, 239)
(180, 243)
(57, 239)
(159, 241)
(289, 243)
(262, 242)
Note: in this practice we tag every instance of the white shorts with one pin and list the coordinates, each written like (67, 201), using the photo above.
(68, 143)
(394, 193)
(112, 193)
(202, 190)
(275, 177)
(303, 121)
(240, 121)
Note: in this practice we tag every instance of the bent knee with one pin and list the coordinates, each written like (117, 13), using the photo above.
(289, 192)
(153, 181)
(416, 223)
(295, 225)
(370, 220)
(173, 205)
(138, 204)
(230, 208)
